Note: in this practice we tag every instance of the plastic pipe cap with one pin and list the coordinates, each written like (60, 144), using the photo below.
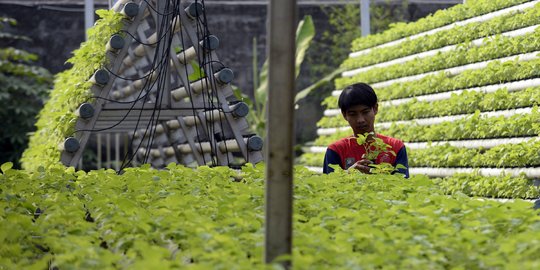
(255, 143)
(195, 9)
(71, 145)
(240, 109)
(116, 42)
(86, 110)
(101, 77)
(210, 43)
(225, 76)
(131, 9)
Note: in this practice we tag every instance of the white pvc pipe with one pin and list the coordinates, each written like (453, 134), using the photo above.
(330, 131)
(485, 143)
(446, 172)
(451, 118)
(118, 4)
(433, 120)
(481, 18)
(511, 87)
(314, 149)
(457, 70)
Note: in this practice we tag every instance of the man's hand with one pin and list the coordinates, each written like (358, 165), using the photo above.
(363, 165)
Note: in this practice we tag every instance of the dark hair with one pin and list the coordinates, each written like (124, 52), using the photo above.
(357, 94)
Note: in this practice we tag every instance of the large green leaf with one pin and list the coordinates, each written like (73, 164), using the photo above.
(304, 34)
(328, 78)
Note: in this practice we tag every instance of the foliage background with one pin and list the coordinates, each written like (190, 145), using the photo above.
(24, 86)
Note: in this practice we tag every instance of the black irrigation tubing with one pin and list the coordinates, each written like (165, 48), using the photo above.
(157, 107)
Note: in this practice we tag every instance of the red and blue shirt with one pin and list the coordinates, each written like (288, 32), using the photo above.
(347, 151)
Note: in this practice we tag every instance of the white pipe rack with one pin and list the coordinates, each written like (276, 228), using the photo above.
(481, 18)
(446, 172)
(433, 120)
(477, 43)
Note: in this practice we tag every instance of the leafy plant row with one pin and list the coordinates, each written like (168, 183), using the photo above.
(496, 72)
(495, 48)
(463, 103)
(438, 19)
(504, 186)
(504, 155)
(453, 36)
(442, 156)
(205, 218)
(57, 119)
(474, 126)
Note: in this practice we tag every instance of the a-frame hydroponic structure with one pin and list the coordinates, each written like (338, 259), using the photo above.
(167, 89)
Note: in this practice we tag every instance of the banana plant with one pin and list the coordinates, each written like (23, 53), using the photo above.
(257, 116)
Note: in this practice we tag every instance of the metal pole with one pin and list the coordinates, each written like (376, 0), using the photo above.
(108, 150)
(98, 151)
(117, 151)
(280, 129)
(88, 15)
(364, 17)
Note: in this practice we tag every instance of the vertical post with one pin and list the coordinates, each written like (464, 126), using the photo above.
(364, 17)
(98, 150)
(108, 150)
(279, 154)
(88, 15)
(126, 145)
(117, 151)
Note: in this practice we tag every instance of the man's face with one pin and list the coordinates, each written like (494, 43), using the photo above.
(361, 118)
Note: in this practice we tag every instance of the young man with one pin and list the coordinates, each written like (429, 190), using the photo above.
(358, 104)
